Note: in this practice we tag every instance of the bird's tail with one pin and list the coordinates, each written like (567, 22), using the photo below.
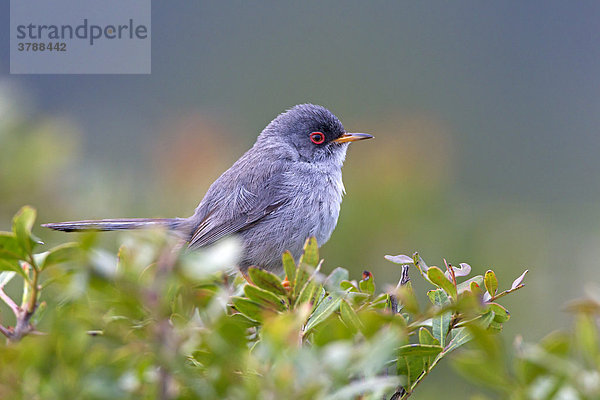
(120, 224)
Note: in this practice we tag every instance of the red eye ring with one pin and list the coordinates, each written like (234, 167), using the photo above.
(317, 137)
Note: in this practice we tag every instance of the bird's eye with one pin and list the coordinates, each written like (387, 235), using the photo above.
(317, 137)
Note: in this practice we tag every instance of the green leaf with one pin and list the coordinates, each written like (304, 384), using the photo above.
(302, 276)
(289, 266)
(59, 254)
(249, 308)
(586, 338)
(438, 297)
(441, 322)
(348, 286)
(367, 284)
(421, 350)
(10, 248)
(407, 299)
(458, 337)
(495, 326)
(326, 307)
(349, 316)
(14, 266)
(480, 330)
(335, 278)
(357, 298)
(310, 256)
(438, 278)
(265, 298)
(243, 321)
(486, 319)
(411, 367)
(381, 301)
(491, 282)
(466, 285)
(308, 293)
(475, 288)
(421, 265)
(501, 314)
(425, 337)
(267, 281)
(22, 224)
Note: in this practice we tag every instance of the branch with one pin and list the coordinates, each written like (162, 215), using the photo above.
(5, 331)
(24, 313)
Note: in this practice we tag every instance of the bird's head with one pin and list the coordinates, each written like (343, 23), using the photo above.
(312, 131)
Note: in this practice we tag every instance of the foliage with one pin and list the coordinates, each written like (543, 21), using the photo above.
(158, 321)
(563, 365)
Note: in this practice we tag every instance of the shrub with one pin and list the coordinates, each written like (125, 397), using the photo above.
(157, 321)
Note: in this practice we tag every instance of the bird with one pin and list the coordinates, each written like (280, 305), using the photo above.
(286, 188)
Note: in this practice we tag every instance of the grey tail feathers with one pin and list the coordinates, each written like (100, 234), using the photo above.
(120, 224)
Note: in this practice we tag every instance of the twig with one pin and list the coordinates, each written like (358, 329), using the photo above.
(404, 279)
(10, 302)
(496, 297)
(450, 271)
(23, 315)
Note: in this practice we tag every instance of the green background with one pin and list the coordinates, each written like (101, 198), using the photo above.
(485, 117)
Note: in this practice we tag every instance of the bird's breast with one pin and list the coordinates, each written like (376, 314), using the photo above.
(316, 201)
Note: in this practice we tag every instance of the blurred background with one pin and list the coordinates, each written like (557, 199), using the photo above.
(486, 117)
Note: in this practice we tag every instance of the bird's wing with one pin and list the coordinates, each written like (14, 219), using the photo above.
(236, 205)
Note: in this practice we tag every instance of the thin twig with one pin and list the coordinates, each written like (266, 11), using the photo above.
(496, 297)
(404, 279)
(23, 316)
(10, 302)
(450, 272)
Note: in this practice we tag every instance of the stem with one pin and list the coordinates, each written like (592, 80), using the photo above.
(450, 271)
(32, 304)
(496, 297)
(166, 342)
(422, 376)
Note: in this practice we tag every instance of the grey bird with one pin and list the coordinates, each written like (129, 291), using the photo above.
(286, 188)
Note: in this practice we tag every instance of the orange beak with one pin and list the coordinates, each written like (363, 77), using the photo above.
(352, 137)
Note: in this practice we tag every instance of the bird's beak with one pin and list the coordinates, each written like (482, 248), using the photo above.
(352, 137)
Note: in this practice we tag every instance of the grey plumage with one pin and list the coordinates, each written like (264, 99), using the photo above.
(284, 189)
